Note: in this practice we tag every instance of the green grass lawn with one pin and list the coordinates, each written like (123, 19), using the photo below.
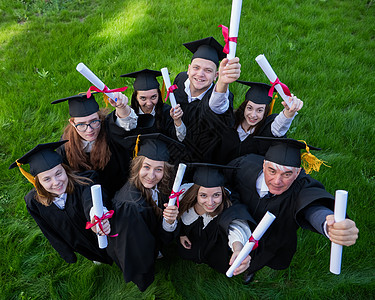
(324, 50)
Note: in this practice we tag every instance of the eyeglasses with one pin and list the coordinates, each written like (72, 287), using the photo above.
(83, 127)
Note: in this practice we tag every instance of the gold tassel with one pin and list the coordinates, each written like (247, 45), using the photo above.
(163, 91)
(28, 176)
(272, 104)
(135, 152)
(106, 101)
(310, 162)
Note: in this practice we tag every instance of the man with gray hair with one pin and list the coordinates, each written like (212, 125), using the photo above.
(277, 183)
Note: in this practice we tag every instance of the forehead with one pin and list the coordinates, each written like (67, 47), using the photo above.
(211, 190)
(148, 93)
(203, 63)
(254, 105)
(88, 118)
(50, 172)
(153, 163)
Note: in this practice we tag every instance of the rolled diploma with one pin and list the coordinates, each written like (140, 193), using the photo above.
(90, 76)
(167, 82)
(341, 199)
(263, 225)
(234, 26)
(97, 204)
(177, 182)
(267, 69)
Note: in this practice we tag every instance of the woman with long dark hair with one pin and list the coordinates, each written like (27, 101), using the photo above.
(147, 99)
(213, 227)
(60, 202)
(253, 118)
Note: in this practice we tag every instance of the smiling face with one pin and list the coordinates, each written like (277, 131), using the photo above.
(91, 133)
(147, 100)
(151, 172)
(202, 73)
(54, 181)
(279, 180)
(253, 114)
(208, 200)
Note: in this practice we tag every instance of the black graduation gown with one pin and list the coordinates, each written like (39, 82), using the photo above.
(232, 147)
(203, 126)
(279, 243)
(65, 228)
(210, 245)
(140, 235)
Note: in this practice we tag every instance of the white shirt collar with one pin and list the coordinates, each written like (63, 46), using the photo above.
(140, 112)
(261, 185)
(188, 93)
(189, 217)
(242, 134)
(60, 201)
(87, 145)
(154, 194)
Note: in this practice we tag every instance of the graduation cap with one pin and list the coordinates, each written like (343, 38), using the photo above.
(287, 152)
(155, 146)
(258, 92)
(209, 175)
(80, 105)
(144, 80)
(41, 158)
(207, 48)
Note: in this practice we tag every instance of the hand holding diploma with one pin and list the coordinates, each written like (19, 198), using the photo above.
(257, 234)
(341, 231)
(282, 89)
(169, 88)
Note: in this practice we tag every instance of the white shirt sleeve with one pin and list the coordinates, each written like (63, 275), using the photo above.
(239, 231)
(219, 102)
(281, 124)
(128, 123)
(180, 131)
(169, 227)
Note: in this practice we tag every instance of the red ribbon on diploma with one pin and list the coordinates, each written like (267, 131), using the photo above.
(170, 90)
(251, 239)
(105, 90)
(98, 220)
(283, 86)
(177, 196)
(227, 39)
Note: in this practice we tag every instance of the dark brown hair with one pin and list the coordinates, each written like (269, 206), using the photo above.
(190, 199)
(164, 186)
(158, 107)
(46, 198)
(239, 117)
(76, 156)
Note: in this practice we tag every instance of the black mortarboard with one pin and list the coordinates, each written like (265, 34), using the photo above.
(207, 48)
(209, 175)
(42, 158)
(258, 92)
(286, 152)
(144, 80)
(80, 105)
(155, 146)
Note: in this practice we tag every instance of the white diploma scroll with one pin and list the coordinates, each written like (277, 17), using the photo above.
(90, 76)
(270, 73)
(341, 198)
(234, 26)
(97, 207)
(177, 182)
(167, 82)
(263, 225)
